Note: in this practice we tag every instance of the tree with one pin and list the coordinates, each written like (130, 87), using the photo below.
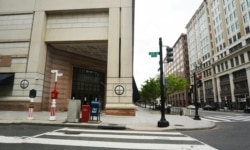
(150, 89)
(175, 84)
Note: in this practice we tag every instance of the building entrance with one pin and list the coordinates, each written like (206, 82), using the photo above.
(88, 85)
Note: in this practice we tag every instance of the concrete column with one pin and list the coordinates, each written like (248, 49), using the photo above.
(215, 91)
(248, 79)
(217, 82)
(113, 43)
(231, 79)
(120, 55)
(37, 52)
(37, 55)
(126, 43)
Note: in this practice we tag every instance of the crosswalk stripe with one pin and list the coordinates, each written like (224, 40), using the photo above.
(209, 120)
(216, 118)
(148, 137)
(112, 139)
(226, 118)
(246, 120)
(101, 144)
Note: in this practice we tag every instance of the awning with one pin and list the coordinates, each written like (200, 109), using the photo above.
(6, 77)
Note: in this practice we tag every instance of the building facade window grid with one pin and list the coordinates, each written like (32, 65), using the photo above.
(231, 54)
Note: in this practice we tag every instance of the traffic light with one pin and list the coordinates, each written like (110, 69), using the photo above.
(198, 81)
(169, 54)
(191, 88)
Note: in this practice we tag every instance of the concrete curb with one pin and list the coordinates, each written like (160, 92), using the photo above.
(110, 126)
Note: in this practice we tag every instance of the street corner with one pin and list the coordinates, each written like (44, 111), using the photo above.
(195, 125)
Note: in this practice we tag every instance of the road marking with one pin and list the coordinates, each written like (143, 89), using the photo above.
(209, 120)
(216, 118)
(100, 144)
(113, 139)
(122, 136)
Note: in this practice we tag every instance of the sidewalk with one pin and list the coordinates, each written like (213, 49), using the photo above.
(145, 119)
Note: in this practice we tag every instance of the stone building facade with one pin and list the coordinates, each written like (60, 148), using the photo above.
(89, 41)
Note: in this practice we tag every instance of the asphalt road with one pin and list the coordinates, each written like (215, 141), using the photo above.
(26, 137)
(232, 131)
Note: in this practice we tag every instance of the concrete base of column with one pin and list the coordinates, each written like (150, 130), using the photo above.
(120, 109)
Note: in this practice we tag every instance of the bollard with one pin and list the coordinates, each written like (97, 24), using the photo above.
(30, 110)
(53, 110)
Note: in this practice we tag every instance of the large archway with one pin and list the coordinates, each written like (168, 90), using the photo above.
(84, 68)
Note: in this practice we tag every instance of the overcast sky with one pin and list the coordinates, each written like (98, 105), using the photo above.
(153, 19)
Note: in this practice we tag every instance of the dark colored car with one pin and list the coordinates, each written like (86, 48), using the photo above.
(209, 107)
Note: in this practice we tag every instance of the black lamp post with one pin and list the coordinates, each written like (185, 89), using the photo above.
(162, 122)
(196, 117)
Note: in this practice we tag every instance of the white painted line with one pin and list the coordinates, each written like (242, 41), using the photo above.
(82, 143)
(122, 136)
(210, 120)
(209, 117)
(47, 132)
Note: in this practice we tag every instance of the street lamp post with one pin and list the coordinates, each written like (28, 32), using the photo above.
(162, 122)
(196, 117)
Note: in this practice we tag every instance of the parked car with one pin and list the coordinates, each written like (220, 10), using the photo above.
(191, 107)
(247, 110)
(209, 107)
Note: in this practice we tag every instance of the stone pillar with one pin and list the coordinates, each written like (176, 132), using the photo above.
(120, 63)
(37, 54)
(231, 79)
(248, 79)
(215, 92)
(217, 82)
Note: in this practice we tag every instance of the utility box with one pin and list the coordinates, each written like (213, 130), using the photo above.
(74, 109)
(95, 110)
(85, 113)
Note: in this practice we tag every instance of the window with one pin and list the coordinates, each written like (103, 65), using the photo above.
(234, 38)
(226, 65)
(237, 25)
(242, 58)
(247, 29)
(222, 66)
(232, 62)
(245, 18)
(237, 60)
(248, 53)
(235, 14)
(248, 3)
(233, 3)
(218, 67)
(243, 6)
(239, 35)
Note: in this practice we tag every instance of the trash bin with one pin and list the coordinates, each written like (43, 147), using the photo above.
(95, 110)
(85, 113)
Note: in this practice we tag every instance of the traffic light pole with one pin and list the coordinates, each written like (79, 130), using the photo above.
(162, 122)
(196, 117)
